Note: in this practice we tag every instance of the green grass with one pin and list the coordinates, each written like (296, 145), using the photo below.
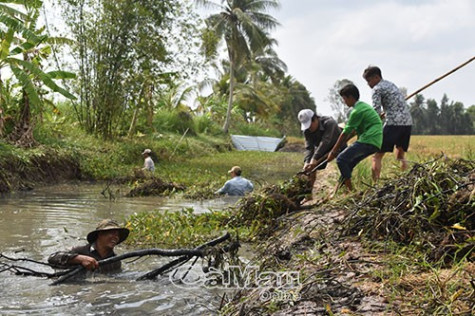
(178, 229)
(260, 167)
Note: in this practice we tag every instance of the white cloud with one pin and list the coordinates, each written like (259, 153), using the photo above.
(413, 42)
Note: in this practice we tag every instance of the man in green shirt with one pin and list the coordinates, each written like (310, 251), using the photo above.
(365, 122)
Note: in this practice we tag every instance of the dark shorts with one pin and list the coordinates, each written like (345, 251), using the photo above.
(351, 156)
(395, 135)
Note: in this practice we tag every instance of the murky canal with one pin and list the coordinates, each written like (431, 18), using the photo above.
(34, 224)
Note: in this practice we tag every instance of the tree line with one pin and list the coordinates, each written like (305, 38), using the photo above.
(446, 118)
(123, 66)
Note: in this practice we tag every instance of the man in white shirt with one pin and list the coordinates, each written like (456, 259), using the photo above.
(148, 163)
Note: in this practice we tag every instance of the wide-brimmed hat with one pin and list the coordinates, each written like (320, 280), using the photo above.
(108, 224)
(305, 118)
(147, 151)
(235, 169)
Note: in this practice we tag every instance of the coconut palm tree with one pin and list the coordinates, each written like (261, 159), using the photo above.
(244, 26)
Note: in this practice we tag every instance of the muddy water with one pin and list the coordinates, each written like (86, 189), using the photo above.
(36, 223)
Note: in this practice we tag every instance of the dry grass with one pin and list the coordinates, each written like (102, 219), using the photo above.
(453, 146)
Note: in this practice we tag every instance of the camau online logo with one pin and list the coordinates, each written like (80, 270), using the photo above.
(234, 277)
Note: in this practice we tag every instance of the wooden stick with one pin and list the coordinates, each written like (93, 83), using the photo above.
(440, 78)
(138, 253)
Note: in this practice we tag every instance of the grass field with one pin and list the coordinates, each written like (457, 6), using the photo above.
(454, 146)
(422, 149)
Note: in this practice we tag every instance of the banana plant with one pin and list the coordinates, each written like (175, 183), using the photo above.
(23, 47)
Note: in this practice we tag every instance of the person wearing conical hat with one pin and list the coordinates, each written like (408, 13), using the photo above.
(101, 244)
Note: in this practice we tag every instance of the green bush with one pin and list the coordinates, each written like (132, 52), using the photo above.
(205, 125)
(254, 129)
(174, 122)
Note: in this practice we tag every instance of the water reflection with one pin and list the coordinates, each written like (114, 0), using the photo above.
(36, 223)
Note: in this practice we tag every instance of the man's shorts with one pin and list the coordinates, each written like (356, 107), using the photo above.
(395, 135)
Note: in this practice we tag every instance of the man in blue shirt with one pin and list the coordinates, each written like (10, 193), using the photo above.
(238, 185)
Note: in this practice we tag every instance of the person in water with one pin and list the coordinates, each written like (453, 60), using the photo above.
(101, 244)
(238, 185)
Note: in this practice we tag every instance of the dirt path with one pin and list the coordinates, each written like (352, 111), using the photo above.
(333, 270)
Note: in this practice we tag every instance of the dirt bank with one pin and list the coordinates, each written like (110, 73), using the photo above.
(342, 273)
(24, 172)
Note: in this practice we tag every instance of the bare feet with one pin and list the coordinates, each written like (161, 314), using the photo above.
(404, 164)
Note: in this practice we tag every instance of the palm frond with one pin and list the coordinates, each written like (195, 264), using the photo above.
(11, 11)
(59, 74)
(19, 26)
(27, 85)
(60, 41)
(47, 80)
(24, 47)
(5, 47)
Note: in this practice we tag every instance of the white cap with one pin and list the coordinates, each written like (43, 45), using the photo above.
(147, 151)
(305, 118)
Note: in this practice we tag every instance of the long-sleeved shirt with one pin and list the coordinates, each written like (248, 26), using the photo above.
(367, 124)
(236, 186)
(321, 141)
(388, 97)
(148, 164)
(61, 259)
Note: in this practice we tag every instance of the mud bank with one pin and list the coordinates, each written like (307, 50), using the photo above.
(370, 271)
(24, 172)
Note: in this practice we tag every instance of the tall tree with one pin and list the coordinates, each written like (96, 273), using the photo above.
(127, 51)
(418, 113)
(462, 121)
(446, 117)
(471, 114)
(336, 102)
(243, 25)
(295, 97)
(433, 113)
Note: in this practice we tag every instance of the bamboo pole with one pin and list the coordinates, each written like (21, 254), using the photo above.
(440, 78)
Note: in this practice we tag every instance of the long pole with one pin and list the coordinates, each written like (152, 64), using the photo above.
(440, 78)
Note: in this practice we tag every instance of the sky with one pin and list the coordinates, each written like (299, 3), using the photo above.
(412, 41)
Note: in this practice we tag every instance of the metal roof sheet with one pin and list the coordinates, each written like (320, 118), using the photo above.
(258, 143)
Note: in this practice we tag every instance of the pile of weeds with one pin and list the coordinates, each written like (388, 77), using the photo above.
(203, 191)
(154, 186)
(175, 228)
(430, 206)
(261, 210)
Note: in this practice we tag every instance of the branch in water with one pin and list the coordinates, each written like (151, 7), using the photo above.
(152, 274)
(138, 253)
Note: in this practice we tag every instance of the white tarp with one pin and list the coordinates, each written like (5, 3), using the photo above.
(259, 143)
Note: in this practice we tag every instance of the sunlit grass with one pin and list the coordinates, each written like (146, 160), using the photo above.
(453, 146)
(260, 167)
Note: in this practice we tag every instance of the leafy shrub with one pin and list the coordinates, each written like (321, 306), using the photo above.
(205, 125)
(174, 121)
